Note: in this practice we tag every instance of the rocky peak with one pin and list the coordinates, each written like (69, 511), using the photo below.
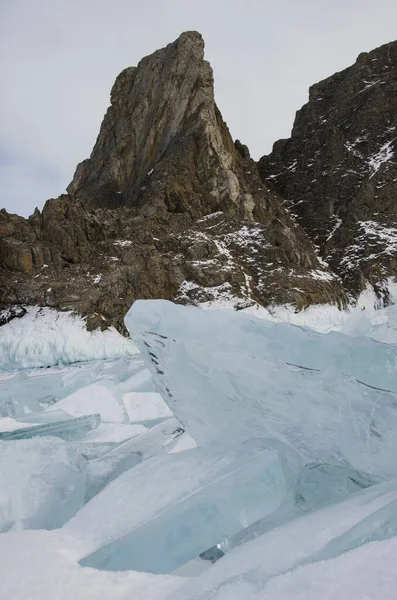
(167, 206)
(160, 137)
(338, 171)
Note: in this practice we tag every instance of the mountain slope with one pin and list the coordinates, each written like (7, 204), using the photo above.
(338, 171)
(167, 206)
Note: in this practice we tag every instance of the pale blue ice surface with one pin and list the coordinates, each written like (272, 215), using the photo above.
(292, 427)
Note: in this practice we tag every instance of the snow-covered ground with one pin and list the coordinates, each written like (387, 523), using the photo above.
(45, 337)
(217, 456)
(364, 317)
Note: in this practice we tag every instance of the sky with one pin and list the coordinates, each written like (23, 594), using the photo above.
(59, 59)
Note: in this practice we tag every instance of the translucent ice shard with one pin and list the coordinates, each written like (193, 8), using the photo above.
(166, 437)
(229, 377)
(186, 502)
(42, 483)
(309, 541)
(100, 398)
(101, 471)
(373, 363)
(320, 484)
(21, 393)
(69, 429)
(316, 486)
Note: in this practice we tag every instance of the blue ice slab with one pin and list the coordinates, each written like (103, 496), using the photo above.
(225, 493)
(42, 483)
(312, 538)
(68, 429)
(316, 486)
(32, 391)
(20, 394)
(230, 377)
(361, 358)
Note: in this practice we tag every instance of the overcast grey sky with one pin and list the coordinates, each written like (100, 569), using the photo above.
(59, 59)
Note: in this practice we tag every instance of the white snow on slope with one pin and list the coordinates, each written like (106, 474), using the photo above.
(369, 572)
(46, 337)
(35, 566)
(325, 318)
(384, 154)
(386, 235)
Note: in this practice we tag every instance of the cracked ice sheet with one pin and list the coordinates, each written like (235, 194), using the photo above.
(36, 566)
(186, 502)
(228, 330)
(145, 406)
(113, 433)
(226, 377)
(248, 572)
(315, 556)
(166, 437)
(42, 483)
(101, 398)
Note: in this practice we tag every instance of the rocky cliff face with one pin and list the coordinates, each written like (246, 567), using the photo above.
(338, 171)
(168, 206)
(163, 145)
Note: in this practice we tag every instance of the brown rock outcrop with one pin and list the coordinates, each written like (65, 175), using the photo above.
(338, 171)
(167, 206)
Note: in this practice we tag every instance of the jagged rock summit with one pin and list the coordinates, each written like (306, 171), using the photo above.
(168, 206)
(338, 171)
(163, 145)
